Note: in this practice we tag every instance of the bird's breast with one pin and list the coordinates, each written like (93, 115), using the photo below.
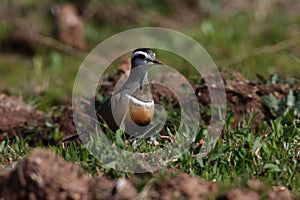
(141, 115)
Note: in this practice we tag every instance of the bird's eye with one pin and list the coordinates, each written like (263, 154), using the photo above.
(141, 56)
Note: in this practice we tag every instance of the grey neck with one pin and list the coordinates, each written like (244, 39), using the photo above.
(138, 77)
(137, 84)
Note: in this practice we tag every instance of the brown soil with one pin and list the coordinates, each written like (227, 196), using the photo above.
(41, 175)
(22, 120)
(70, 26)
(65, 121)
(243, 97)
(44, 176)
(240, 194)
(183, 186)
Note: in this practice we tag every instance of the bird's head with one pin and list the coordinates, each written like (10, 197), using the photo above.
(143, 56)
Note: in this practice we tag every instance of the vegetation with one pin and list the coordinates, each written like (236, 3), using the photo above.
(258, 44)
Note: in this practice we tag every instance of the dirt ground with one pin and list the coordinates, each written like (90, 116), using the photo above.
(20, 119)
(243, 97)
(41, 175)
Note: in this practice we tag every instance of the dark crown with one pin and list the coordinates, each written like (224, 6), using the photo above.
(147, 50)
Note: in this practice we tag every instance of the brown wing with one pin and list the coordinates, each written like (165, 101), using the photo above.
(114, 110)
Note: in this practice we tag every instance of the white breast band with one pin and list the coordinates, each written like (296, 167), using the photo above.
(134, 100)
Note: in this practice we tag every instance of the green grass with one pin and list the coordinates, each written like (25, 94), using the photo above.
(223, 38)
(271, 154)
(45, 81)
(242, 34)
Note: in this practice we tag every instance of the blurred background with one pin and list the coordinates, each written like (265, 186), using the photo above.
(42, 43)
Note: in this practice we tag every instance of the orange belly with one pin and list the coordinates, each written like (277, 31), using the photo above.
(140, 115)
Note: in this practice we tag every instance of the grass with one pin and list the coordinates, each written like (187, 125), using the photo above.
(223, 38)
(271, 154)
(268, 155)
(44, 81)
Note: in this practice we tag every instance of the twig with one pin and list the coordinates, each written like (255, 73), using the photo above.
(13, 151)
(47, 41)
(261, 50)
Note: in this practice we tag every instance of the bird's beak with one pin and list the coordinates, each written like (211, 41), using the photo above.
(157, 62)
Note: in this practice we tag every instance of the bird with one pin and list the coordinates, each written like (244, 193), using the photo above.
(132, 104)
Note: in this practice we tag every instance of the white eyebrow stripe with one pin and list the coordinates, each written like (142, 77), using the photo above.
(134, 100)
(140, 52)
